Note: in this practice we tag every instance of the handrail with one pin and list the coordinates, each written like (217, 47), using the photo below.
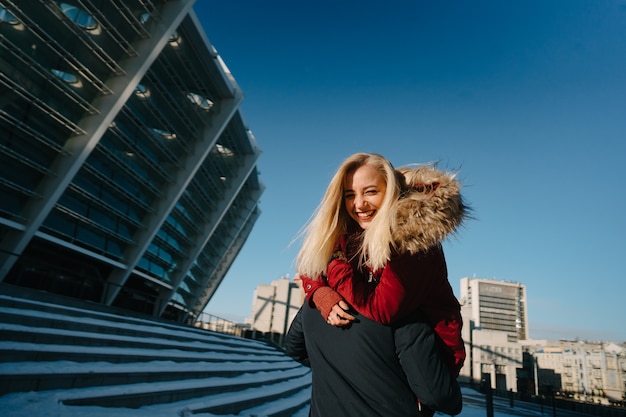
(210, 322)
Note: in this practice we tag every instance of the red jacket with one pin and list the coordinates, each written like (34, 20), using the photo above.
(408, 282)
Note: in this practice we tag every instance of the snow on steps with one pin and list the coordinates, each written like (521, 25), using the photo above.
(85, 358)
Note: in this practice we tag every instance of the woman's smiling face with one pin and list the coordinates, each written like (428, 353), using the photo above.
(364, 191)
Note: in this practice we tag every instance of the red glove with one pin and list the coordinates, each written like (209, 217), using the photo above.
(324, 299)
(320, 295)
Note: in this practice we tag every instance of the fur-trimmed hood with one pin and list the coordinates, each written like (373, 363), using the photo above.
(429, 210)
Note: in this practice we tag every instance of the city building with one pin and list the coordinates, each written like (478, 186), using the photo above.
(127, 174)
(274, 307)
(494, 320)
(492, 357)
(500, 353)
(584, 371)
(496, 305)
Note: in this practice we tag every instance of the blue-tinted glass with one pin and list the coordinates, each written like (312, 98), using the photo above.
(71, 202)
(114, 249)
(89, 237)
(61, 223)
(102, 218)
(123, 230)
(144, 264)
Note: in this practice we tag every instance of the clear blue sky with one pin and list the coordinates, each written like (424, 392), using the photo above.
(527, 99)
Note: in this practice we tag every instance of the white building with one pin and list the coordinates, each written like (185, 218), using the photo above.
(586, 371)
(275, 305)
(497, 305)
(493, 355)
(495, 318)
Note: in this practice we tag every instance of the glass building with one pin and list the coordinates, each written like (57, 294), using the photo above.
(127, 174)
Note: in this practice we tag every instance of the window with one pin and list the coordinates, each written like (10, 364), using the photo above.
(200, 101)
(175, 39)
(144, 17)
(81, 18)
(142, 92)
(224, 150)
(164, 134)
(6, 17)
(70, 79)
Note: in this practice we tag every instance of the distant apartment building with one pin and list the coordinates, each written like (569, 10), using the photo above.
(586, 371)
(497, 305)
(274, 307)
(128, 177)
(495, 318)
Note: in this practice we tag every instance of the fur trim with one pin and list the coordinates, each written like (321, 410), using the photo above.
(429, 210)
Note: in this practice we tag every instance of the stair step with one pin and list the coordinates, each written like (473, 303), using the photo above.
(138, 395)
(236, 403)
(20, 352)
(86, 337)
(40, 376)
(103, 324)
(283, 407)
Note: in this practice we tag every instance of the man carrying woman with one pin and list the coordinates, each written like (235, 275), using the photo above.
(373, 252)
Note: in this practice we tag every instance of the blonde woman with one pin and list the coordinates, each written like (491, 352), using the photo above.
(374, 245)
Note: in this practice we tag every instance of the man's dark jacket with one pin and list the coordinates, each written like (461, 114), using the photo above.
(368, 369)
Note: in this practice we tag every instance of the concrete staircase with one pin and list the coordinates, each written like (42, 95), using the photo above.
(74, 358)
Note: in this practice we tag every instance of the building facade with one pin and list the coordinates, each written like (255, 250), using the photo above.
(497, 305)
(127, 174)
(585, 371)
(492, 357)
(500, 353)
(274, 307)
(494, 320)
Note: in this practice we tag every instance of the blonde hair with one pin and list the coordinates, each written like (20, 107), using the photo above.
(331, 220)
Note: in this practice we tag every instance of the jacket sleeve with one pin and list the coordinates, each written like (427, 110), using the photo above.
(295, 345)
(310, 285)
(449, 331)
(426, 371)
(319, 295)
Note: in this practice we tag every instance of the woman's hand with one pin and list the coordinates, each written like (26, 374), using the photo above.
(339, 315)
